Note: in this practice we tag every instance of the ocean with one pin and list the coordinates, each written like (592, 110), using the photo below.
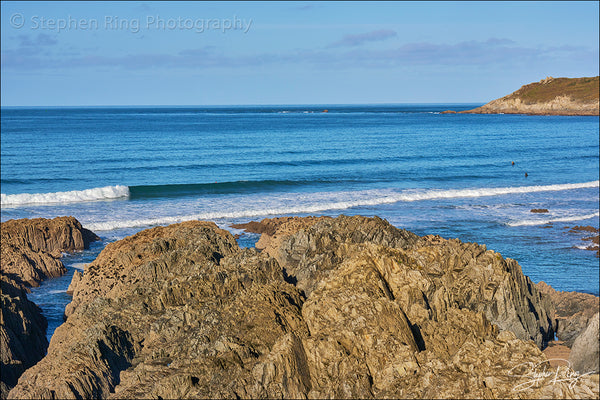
(121, 170)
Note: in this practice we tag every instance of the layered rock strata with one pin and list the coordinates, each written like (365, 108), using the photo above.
(345, 308)
(31, 248)
(30, 253)
(466, 275)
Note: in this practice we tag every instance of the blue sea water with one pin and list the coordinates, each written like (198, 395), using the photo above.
(121, 170)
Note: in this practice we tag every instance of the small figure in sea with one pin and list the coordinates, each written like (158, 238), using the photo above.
(526, 175)
(513, 163)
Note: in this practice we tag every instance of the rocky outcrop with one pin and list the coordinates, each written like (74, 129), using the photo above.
(31, 248)
(585, 354)
(30, 253)
(573, 311)
(349, 307)
(452, 273)
(179, 311)
(550, 96)
(22, 333)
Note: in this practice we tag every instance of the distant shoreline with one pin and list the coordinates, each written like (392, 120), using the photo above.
(550, 96)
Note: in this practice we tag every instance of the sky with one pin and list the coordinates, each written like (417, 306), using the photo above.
(245, 53)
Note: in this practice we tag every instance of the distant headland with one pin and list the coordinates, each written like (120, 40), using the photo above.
(550, 96)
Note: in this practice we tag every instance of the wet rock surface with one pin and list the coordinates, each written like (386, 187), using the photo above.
(346, 307)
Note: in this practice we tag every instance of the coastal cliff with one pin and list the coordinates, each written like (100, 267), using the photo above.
(346, 307)
(550, 96)
(31, 251)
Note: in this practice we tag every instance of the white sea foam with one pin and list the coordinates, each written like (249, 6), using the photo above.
(80, 266)
(568, 218)
(74, 196)
(319, 202)
(482, 192)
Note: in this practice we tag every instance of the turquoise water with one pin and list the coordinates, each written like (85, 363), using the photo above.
(121, 170)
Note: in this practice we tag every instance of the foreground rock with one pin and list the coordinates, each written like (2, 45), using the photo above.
(550, 96)
(345, 308)
(30, 253)
(573, 311)
(451, 273)
(22, 333)
(585, 354)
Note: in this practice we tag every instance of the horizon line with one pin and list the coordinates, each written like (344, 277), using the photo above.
(237, 105)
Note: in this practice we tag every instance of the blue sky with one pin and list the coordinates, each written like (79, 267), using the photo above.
(222, 53)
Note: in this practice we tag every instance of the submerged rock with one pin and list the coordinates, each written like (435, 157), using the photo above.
(349, 307)
(30, 253)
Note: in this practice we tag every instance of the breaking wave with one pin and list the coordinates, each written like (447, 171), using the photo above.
(74, 196)
(533, 222)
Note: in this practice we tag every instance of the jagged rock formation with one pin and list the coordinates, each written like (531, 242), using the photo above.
(573, 311)
(30, 253)
(31, 248)
(550, 96)
(585, 354)
(454, 273)
(348, 307)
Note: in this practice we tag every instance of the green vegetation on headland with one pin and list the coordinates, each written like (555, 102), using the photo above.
(578, 89)
(550, 96)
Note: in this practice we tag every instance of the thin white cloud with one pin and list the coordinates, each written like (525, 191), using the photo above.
(470, 53)
(357, 40)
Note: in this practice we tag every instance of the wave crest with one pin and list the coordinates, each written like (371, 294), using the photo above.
(74, 196)
(570, 218)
